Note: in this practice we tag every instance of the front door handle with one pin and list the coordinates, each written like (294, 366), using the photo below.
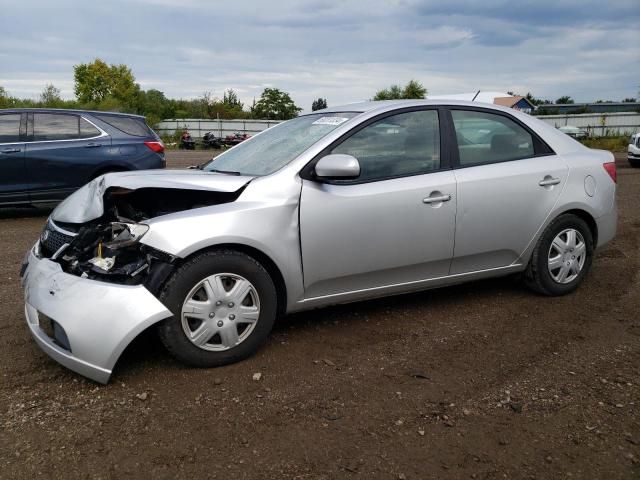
(437, 199)
(92, 145)
(11, 150)
(548, 181)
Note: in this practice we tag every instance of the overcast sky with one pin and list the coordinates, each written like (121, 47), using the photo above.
(342, 50)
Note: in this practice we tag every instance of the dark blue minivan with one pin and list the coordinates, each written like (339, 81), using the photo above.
(46, 154)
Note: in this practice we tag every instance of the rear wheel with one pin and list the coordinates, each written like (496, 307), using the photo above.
(634, 163)
(224, 305)
(562, 257)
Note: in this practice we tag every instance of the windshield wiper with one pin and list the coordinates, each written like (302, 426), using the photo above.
(226, 172)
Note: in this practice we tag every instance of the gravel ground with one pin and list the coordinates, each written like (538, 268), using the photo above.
(483, 380)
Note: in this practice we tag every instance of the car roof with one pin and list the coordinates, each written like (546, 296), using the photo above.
(382, 105)
(67, 110)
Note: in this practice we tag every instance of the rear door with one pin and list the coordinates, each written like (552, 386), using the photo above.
(14, 182)
(62, 153)
(508, 182)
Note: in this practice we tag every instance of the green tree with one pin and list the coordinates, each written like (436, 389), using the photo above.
(564, 100)
(105, 86)
(394, 92)
(319, 104)
(275, 105)
(230, 98)
(155, 106)
(629, 100)
(4, 98)
(412, 90)
(50, 96)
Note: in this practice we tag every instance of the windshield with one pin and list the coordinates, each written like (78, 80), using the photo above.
(277, 146)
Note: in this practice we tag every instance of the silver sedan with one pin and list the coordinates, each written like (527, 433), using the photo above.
(344, 204)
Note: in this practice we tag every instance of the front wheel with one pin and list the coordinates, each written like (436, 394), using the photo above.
(635, 163)
(224, 305)
(562, 257)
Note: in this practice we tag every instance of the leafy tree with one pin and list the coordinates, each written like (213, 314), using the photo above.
(230, 99)
(626, 100)
(155, 106)
(105, 86)
(50, 96)
(319, 104)
(564, 100)
(394, 92)
(4, 98)
(413, 89)
(275, 105)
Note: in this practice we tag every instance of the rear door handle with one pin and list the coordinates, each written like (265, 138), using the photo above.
(11, 150)
(438, 199)
(92, 145)
(548, 181)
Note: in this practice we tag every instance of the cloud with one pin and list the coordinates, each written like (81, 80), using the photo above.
(343, 51)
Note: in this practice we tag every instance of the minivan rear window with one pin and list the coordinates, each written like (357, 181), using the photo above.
(128, 125)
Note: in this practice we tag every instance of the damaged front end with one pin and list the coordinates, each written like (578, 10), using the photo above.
(108, 248)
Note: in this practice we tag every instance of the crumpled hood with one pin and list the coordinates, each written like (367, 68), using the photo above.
(87, 203)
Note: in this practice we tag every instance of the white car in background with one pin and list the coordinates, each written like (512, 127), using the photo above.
(633, 150)
(574, 132)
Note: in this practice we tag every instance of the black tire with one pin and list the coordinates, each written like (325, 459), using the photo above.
(537, 275)
(634, 163)
(186, 277)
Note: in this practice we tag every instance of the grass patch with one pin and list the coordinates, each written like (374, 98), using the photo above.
(613, 144)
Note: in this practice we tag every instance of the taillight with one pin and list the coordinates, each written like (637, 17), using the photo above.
(610, 167)
(157, 147)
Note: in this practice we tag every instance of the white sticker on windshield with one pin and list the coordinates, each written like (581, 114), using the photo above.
(330, 121)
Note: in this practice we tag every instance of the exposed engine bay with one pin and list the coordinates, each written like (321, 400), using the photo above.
(108, 248)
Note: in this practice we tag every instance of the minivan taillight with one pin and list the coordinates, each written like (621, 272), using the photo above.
(157, 147)
(610, 167)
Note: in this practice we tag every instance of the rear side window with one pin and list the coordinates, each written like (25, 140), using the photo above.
(486, 138)
(128, 125)
(10, 128)
(61, 126)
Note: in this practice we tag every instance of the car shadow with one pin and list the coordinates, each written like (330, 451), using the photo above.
(147, 349)
(25, 212)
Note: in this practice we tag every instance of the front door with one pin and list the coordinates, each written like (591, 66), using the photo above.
(14, 183)
(392, 225)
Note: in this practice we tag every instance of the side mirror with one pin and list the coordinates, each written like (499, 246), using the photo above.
(339, 166)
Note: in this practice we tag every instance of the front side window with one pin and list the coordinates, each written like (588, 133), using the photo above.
(60, 126)
(277, 146)
(486, 138)
(399, 145)
(10, 128)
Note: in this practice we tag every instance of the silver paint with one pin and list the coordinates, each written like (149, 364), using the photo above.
(332, 243)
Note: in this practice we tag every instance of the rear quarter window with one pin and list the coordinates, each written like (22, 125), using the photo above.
(130, 126)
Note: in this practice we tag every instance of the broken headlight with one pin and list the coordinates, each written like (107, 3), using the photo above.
(125, 234)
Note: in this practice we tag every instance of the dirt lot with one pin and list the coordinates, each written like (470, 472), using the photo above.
(484, 380)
